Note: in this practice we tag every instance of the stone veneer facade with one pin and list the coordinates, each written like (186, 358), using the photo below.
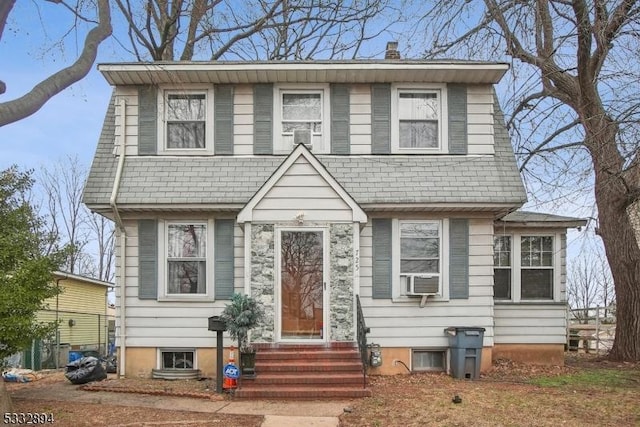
(262, 264)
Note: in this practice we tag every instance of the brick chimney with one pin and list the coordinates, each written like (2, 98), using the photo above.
(392, 51)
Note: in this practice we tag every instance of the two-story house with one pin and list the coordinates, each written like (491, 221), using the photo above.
(310, 185)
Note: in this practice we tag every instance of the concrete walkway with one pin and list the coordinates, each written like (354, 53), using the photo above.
(277, 413)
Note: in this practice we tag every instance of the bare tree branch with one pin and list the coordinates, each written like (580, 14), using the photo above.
(31, 102)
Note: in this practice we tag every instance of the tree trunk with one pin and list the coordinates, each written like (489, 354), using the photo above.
(6, 405)
(618, 234)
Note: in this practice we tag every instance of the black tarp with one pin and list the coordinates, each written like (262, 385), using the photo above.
(85, 370)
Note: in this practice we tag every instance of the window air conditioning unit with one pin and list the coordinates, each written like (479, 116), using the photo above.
(302, 136)
(419, 284)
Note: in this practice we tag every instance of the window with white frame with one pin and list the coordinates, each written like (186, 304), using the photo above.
(185, 121)
(177, 358)
(536, 274)
(302, 118)
(524, 267)
(502, 267)
(418, 117)
(186, 258)
(186, 118)
(420, 257)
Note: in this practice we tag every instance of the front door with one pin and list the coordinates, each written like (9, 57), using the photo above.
(302, 308)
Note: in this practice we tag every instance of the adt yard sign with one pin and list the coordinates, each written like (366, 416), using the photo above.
(231, 371)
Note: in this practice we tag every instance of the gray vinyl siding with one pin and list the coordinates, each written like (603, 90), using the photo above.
(381, 118)
(457, 113)
(340, 110)
(170, 323)
(223, 120)
(147, 120)
(301, 188)
(263, 119)
(530, 323)
(360, 119)
(403, 323)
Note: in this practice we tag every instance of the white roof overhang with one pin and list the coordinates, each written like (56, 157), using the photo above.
(471, 72)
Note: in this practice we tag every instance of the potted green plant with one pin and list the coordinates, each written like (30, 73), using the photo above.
(241, 315)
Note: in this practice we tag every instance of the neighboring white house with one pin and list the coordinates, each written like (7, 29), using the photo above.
(306, 184)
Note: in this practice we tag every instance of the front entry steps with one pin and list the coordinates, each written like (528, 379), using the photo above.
(331, 371)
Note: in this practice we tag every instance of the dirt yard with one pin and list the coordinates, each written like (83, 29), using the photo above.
(586, 391)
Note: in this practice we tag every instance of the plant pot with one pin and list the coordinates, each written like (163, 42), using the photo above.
(248, 364)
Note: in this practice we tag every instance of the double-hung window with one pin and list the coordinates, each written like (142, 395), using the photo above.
(187, 121)
(420, 257)
(536, 274)
(524, 267)
(186, 268)
(502, 267)
(418, 120)
(301, 118)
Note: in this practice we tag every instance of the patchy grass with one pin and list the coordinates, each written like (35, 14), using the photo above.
(585, 392)
(592, 378)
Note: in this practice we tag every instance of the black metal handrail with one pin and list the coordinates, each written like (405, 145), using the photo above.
(362, 341)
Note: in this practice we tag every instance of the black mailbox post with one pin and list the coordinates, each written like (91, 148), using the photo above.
(218, 325)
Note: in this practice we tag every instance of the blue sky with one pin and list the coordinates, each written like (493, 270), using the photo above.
(67, 125)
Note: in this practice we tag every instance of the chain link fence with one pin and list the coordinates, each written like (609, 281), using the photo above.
(78, 334)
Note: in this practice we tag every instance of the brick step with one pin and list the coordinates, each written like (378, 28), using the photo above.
(341, 354)
(346, 379)
(283, 392)
(263, 367)
(309, 347)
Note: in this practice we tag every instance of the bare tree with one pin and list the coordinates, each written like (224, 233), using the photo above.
(103, 231)
(62, 185)
(575, 111)
(88, 237)
(589, 284)
(26, 105)
(253, 29)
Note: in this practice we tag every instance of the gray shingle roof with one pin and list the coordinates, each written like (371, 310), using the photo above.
(370, 179)
(542, 219)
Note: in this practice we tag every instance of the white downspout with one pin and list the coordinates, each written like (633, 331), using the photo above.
(123, 243)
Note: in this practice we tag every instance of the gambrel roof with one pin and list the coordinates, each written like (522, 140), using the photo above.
(376, 182)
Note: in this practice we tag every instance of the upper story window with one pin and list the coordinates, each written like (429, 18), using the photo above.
(186, 125)
(186, 259)
(418, 119)
(524, 267)
(302, 117)
(186, 120)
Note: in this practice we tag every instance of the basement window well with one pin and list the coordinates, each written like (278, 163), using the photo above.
(177, 358)
(430, 360)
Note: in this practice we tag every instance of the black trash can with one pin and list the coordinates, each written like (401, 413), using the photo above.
(465, 343)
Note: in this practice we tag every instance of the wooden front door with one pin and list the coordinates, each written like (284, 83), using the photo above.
(302, 285)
